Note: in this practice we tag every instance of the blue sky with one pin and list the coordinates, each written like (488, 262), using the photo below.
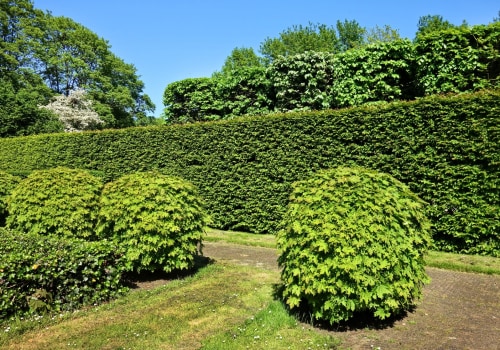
(169, 40)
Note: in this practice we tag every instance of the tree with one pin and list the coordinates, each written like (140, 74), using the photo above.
(432, 23)
(240, 58)
(20, 95)
(66, 56)
(351, 34)
(70, 56)
(299, 39)
(381, 34)
(75, 111)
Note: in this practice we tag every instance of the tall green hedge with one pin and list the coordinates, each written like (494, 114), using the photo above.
(446, 149)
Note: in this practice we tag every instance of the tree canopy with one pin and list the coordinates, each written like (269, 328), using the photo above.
(50, 55)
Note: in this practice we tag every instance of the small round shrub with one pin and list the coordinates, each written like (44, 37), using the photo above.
(58, 201)
(352, 241)
(157, 219)
(7, 184)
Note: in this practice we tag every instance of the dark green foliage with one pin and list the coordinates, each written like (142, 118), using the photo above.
(353, 240)
(379, 72)
(303, 81)
(158, 220)
(44, 273)
(19, 111)
(58, 201)
(7, 184)
(191, 100)
(245, 91)
(446, 149)
(459, 59)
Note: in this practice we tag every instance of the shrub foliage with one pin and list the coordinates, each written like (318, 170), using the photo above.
(158, 220)
(445, 148)
(58, 201)
(7, 184)
(43, 273)
(352, 241)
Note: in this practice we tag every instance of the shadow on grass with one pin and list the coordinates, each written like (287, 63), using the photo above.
(148, 279)
(360, 320)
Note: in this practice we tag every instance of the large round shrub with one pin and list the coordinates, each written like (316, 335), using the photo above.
(352, 240)
(7, 184)
(158, 220)
(58, 201)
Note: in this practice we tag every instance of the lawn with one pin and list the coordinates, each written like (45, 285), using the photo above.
(218, 306)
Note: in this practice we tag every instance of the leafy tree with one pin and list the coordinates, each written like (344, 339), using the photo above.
(381, 34)
(299, 39)
(70, 56)
(20, 96)
(350, 34)
(240, 58)
(75, 111)
(67, 56)
(433, 23)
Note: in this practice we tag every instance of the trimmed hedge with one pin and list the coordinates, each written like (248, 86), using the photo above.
(445, 148)
(44, 273)
(7, 184)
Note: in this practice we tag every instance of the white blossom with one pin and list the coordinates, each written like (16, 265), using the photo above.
(75, 111)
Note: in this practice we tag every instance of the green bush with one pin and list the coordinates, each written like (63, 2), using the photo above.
(44, 273)
(7, 184)
(243, 168)
(58, 201)
(353, 241)
(158, 220)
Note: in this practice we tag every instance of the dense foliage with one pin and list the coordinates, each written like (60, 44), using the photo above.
(446, 149)
(7, 184)
(43, 55)
(57, 201)
(352, 241)
(304, 81)
(44, 273)
(158, 220)
(460, 59)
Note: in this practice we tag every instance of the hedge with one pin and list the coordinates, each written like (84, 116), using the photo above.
(445, 148)
(46, 273)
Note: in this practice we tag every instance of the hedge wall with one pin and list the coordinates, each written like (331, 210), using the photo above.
(446, 149)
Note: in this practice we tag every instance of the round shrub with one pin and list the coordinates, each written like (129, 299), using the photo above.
(157, 219)
(58, 201)
(352, 241)
(7, 184)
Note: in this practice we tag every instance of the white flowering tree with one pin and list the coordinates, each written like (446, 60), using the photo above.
(75, 111)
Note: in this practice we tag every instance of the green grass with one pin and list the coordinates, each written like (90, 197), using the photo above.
(182, 314)
(457, 262)
(271, 328)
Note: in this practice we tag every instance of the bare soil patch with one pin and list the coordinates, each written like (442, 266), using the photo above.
(458, 310)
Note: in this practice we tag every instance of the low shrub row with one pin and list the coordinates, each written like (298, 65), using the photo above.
(444, 148)
(42, 273)
(69, 239)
